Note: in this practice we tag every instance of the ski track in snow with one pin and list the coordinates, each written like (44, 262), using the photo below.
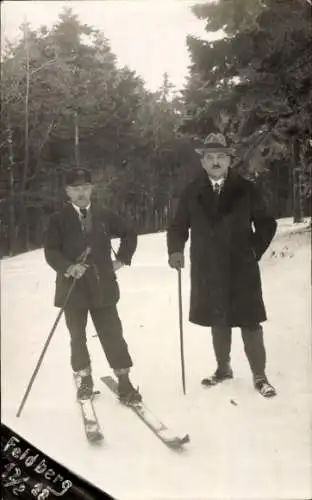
(256, 449)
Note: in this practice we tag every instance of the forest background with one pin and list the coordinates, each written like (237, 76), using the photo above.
(66, 102)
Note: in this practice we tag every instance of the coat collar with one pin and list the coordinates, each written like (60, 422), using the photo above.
(77, 209)
(70, 209)
(72, 217)
(232, 191)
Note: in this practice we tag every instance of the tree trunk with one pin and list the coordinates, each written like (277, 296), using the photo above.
(11, 208)
(76, 139)
(22, 219)
(297, 175)
(26, 228)
(26, 134)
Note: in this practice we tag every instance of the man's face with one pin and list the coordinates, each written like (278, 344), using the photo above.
(80, 195)
(216, 164)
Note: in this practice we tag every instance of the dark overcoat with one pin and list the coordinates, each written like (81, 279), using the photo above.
(229, 234)
(65, 241)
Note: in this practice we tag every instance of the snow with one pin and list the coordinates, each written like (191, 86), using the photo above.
(256, 449)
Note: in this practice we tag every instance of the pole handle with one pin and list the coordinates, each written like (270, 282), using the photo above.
(82, 258)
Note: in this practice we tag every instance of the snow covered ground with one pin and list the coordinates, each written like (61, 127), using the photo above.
(256, 449)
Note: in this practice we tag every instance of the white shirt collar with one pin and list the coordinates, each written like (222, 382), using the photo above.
(219, 181)
(78, 208)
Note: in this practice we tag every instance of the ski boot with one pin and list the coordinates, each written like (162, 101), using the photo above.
(218, 376)
(85, 386)
(127, 394)
(263, 386)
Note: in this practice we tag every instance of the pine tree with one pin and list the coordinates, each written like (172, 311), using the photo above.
(66, 102)
(255, 83)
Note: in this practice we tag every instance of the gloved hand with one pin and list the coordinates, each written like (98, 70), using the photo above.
(176, 260)
(76, 271)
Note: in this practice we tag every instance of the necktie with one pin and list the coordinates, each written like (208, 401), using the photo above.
(83, 213)
(217, 188)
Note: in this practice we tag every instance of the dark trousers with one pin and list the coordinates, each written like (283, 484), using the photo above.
(109, 329)
(253, 344)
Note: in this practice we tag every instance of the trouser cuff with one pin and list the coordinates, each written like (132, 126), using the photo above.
(84, 372)
(121, 371)
(260, 378)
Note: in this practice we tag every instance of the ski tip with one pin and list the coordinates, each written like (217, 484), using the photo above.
(177, 444)
(95, 437)
(185, 439)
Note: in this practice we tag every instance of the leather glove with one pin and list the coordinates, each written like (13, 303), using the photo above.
(76, 271)
(176, 260)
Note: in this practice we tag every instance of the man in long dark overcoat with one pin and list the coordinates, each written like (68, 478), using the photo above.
(230, 230)
(83, 229)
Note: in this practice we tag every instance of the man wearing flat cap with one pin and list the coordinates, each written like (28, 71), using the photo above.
(230, 230)
(78, 247)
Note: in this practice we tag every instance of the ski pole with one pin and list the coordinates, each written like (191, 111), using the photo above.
(181, 330)
(81, 260)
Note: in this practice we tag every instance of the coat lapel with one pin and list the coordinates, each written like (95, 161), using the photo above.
(72, 217)
(231, 192)
(205, 198)
(73, 226)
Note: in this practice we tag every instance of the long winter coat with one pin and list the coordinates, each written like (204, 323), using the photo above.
(229, 234)
(65, 242)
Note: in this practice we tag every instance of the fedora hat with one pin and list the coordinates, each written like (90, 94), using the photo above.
(214, 142)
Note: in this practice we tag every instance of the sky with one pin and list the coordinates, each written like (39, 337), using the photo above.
(147, 35)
